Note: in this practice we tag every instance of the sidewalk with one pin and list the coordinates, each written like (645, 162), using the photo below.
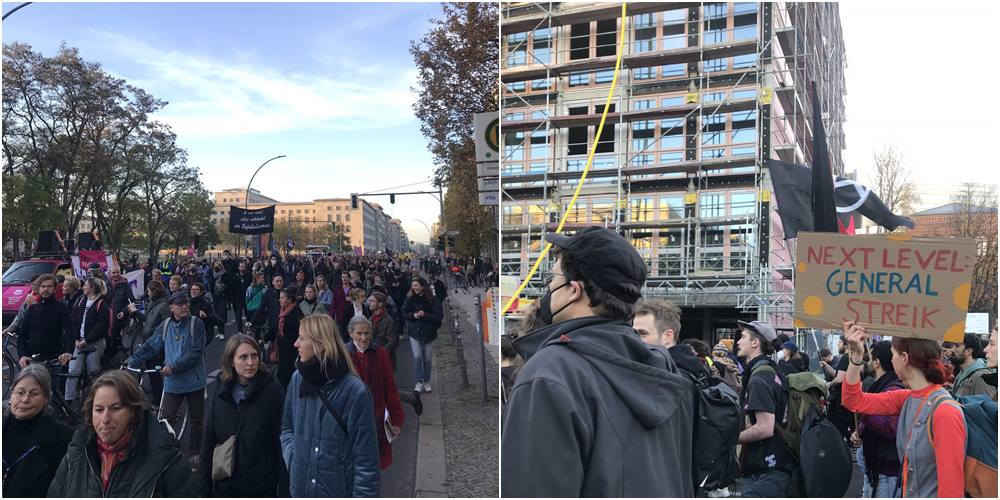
(459, 433)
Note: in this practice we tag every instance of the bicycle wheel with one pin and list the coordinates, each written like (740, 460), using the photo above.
(10, 370)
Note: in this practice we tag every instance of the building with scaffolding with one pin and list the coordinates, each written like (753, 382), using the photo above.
(707, 94)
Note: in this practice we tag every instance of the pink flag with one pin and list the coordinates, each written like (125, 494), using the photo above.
(191, 249)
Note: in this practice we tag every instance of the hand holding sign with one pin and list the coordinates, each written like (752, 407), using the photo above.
(895, 284)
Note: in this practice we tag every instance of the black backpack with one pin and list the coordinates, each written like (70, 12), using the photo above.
(718, 418)
(825, 465)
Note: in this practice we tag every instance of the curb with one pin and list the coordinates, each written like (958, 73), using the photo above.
(432, 472)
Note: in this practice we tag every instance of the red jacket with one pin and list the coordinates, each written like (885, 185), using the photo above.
(375, 370)
(339, 301)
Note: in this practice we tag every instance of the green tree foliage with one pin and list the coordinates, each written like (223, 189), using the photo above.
(458, 76)
(83, 142)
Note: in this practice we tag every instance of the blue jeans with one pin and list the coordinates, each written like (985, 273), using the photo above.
(887, 487)
(423, 354)
(770, 484)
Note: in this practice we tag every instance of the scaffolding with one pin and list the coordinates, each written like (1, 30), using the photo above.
(553, 86)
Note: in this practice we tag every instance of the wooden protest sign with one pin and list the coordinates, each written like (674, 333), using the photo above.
(894, 284)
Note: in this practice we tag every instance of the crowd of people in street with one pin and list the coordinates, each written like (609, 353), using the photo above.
(305, 405)
(602, 397)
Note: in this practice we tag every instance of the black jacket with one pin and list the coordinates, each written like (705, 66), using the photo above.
(259, 465)
(153, 466)
(345, 319)
(119, 296)
(211, 320)
(98, 320)
(422, 329)
(47, 330)
(596, 412)
(34, 473)
(286, 344)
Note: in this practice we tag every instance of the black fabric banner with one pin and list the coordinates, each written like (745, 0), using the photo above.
(259, 221)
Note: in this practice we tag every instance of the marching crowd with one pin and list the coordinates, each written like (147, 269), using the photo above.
(603, 398)
(306, 403)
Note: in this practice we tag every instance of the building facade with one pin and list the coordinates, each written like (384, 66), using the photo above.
(948, 220)
(707, 94)
(367, 227)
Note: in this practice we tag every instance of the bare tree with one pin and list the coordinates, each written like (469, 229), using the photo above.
(891, 181)
(975, 216)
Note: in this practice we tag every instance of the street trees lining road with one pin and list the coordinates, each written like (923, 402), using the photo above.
(457, 77)
(83, 139)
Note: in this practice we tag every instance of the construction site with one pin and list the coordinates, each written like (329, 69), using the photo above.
(707, 94)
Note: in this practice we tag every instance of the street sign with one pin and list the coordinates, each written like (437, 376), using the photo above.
(488, 169)
(487, 131)
(489, 198)
(489, 184)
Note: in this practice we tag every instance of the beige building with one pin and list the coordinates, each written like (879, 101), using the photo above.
(367, 226)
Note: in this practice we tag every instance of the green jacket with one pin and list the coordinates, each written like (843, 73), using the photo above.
(153, 466)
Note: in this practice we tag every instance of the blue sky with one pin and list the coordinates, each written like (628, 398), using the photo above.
(328, 85)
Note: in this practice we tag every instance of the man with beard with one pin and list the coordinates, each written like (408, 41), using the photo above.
(595, 411)
(967, 358)
(877, 433)
(46, 332)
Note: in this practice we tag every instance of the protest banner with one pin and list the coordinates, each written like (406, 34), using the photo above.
(893, 284)
(81, 262)
(137, 281)
(257, 221)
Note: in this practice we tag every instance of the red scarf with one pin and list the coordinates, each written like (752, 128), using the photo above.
(376, 318)
(281, 318)
(111, 454)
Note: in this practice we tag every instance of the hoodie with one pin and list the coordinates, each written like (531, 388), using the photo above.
(596, 412)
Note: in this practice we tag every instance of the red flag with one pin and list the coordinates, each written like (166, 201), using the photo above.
(88, 257)
(191, 249)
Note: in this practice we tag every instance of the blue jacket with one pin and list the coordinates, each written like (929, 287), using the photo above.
(183, 346)
(422, 329)
(322, 460)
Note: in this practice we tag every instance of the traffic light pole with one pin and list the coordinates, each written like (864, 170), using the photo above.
(439, 194)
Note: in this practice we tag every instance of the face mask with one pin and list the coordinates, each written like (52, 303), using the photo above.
(545, 314)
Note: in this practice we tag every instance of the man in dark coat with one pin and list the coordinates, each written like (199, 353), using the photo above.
(594, 410)
(119, 297)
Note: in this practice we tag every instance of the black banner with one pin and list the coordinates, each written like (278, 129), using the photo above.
(257, 221)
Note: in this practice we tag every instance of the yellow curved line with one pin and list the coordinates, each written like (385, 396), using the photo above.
(586, 168)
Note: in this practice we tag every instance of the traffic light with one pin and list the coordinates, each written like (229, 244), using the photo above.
(354, 201)
(451, 241)
(440, 244)
(392, 198)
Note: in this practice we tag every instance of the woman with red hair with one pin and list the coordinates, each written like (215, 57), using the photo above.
(930, 437)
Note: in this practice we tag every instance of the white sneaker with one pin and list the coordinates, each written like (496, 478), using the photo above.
(427, 387)
(419, 387)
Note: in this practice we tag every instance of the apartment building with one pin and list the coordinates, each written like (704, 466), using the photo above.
(367, 227)
(707, 94)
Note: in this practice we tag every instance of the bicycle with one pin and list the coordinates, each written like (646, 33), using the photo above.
(71, 413)
(266, 347)
(142, 377)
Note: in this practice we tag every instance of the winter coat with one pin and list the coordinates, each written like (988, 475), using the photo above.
(34, 472)
(385, 332)
(47, 330)
(423, 329)
(595, 412)
(156, 312)
(183, 347)
(119, 296)
(325, 297)
(339, 300)
(153, 466)
(286, 345)
(315, 308)
(970, 381)
(200, 304)
(98, 321)
(375, 370)
(878, 433)
(259, 468)
(322, 460)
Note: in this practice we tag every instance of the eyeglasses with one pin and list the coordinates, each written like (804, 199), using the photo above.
(547, 277)
(21, 394)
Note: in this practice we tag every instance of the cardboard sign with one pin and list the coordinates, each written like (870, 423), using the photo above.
(893, 284)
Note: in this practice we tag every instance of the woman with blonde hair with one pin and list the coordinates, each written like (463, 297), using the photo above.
(248, 405)
(328, 431)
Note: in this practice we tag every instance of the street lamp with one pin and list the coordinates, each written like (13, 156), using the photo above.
(246, 204)
(429, 235)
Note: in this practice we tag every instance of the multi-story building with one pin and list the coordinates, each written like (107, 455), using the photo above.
(952, 219)
(707, 94)
(367, 227)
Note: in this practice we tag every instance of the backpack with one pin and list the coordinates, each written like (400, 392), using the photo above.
(253, 303)
(718, 418)
(980, 414)
(165, 322)
(815, 443)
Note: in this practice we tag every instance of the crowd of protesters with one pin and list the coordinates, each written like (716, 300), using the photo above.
(601, 396)
(319, 423)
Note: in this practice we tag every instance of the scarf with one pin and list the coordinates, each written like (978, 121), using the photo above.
(281, 318)
(110, 455)
(376, 318)
(315, 376)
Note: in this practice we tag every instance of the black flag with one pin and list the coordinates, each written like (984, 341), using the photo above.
(793, 192)
(823, 205)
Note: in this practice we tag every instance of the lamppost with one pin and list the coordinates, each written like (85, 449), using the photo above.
(429, 235)
(246, 199)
